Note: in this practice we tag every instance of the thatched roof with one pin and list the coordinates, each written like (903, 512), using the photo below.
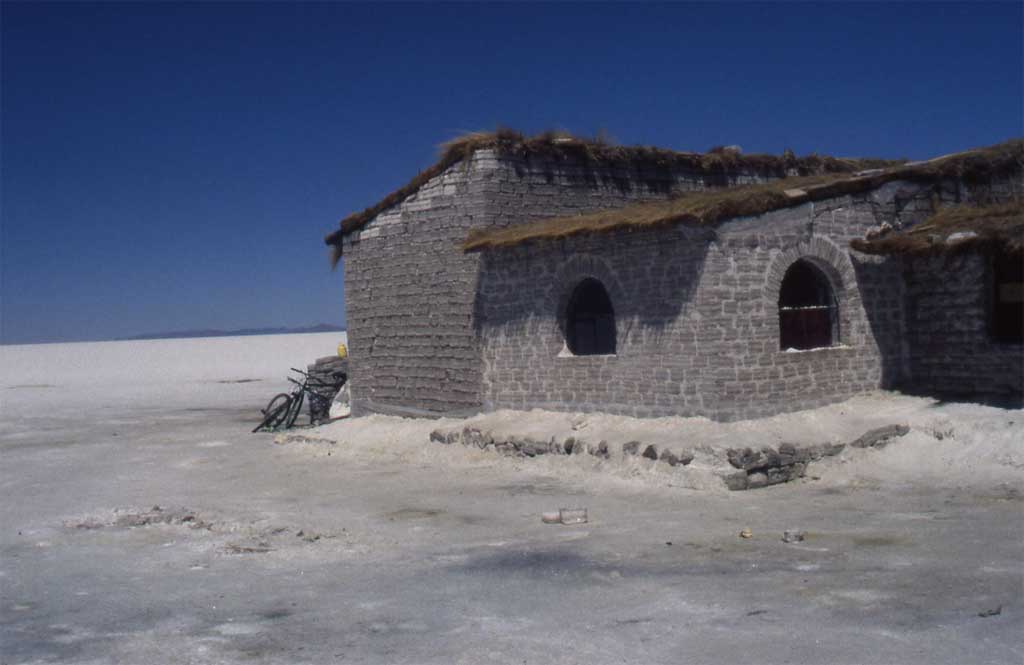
(956, 229)
(716, 205)
(559, 146)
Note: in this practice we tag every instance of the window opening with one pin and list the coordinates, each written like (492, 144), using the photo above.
(1008, 298)
(590, 320)
(807, 308)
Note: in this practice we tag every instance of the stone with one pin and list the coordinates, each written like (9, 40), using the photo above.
(452, 437)
(789, 453)
(736, 481)
(818, 451)
(631, 448)
(438, 436)
(738, 456)
(531, 447)
(769, 458)
(569, 445)
(776, 475)
(751, 460)
(756, 480)
(685, 457)
(504, 447)
(669, 457)
(880, 437)
(651, 453)
(600, 450)
(473, 437)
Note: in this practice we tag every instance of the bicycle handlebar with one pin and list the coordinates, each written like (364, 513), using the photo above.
(314, 383)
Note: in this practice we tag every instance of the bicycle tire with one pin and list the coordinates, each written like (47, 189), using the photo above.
(277, 410)
(293, 410)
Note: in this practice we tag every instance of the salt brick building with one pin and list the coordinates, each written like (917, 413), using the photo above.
(559, 273)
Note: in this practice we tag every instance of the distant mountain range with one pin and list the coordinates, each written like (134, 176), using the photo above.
(183, 334)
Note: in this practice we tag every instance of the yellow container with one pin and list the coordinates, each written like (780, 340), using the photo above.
(342, 350)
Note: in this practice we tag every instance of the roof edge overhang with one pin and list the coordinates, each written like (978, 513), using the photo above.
(599, 153)
(715, 206)
(952, 230)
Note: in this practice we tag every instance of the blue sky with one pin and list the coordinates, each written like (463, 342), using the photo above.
(169, 167)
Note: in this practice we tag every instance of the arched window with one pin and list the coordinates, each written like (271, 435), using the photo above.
(590, 320)
(807, 308)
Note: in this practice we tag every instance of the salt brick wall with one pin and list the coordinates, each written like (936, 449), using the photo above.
(433, 330)
(697, 319)
(948, 329)
(410, 290)
(409, 298)
(696, 312)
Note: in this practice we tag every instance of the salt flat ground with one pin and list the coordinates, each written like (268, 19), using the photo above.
(364, 543)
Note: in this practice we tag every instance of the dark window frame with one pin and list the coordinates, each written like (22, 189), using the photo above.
(808, 308)
(1005, 317)
(590, 328)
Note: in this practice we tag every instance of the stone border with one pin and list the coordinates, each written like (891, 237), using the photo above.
(754, 468)
(771, 466)
(525, 446)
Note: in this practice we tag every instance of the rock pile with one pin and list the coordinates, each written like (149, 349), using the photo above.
(771, 466)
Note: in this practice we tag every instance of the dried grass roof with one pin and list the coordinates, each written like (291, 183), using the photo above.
(715, 205)
(597, 152)
(955, 229)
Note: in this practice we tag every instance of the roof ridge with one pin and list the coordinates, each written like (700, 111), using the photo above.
(600, 153)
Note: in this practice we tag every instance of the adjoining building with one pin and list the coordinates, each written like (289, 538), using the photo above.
(560, 273)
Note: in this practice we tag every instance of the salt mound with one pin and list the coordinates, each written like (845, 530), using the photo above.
(955, 444)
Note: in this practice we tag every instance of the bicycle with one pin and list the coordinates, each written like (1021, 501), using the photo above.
(283, 409)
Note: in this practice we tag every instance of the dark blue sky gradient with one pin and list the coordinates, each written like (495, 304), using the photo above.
(171, 167)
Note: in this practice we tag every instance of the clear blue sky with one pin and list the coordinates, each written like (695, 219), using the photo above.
(170, 167)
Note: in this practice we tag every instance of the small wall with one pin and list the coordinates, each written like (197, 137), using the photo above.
(951, 350)
(409, 301)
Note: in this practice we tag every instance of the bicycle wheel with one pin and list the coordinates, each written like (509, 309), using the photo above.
(276, 411)
(293, 410)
